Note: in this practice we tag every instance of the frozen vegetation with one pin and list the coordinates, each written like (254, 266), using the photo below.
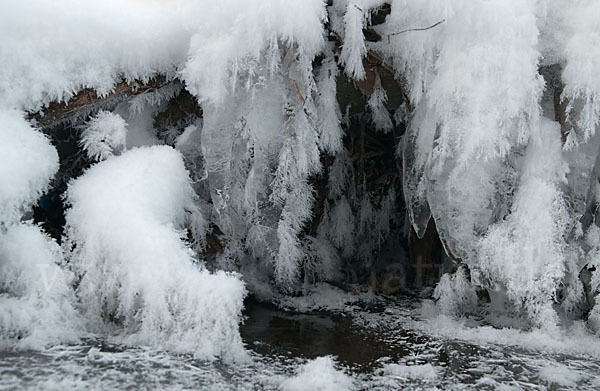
(261, 187)
(134, 268)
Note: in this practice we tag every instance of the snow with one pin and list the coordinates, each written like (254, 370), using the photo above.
(527, 251)
(322, 297)
(319, 374)
(27, 164)
(217, 61)
(574, 340)
(513, 194)
(354, 48)
(379, 113)
(63, 46)
(477, 152)
(471, 109)
(330, 115)
(582, 58)
(104, 136)
(125, 226)
(413, 372)
(469, 363)
(560, 375)
(454, 293)
(36, 299)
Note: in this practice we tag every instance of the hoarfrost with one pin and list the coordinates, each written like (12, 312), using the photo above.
(125, 228)
(105, 135)
(28, 162)
(36, 299)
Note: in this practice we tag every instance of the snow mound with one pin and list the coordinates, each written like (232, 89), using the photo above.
(36, 299)
(412, 372)
(319, 374)
(126, 227)
(53, 49)
(321, 296)
(27, 163)
(63, 46)
(455, 294)
(560, 375)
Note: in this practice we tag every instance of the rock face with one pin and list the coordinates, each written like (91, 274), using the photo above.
(394, 279)
(426, 254)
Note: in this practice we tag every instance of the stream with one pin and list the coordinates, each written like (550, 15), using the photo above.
(379, 345)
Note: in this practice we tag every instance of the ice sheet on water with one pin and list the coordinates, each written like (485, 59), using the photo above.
(321, 297)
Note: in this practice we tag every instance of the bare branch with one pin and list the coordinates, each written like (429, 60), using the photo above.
(416, 29)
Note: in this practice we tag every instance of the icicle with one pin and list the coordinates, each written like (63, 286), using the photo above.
(379, 113)
(330, 130)
(454, 293)
(527, 252)
(354, 49)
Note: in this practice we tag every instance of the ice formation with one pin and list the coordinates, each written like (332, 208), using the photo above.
(319, 374)
(104, 136)
(36, 300)
(28, 164)
(125, 227)
(501, 150)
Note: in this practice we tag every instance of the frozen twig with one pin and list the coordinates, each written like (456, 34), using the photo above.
(416, 29)
(298, 92)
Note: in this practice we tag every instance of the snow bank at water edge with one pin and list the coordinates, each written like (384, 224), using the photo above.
(319, 374)
(126, 226)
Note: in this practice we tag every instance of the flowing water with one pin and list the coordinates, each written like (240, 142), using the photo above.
(373, 343)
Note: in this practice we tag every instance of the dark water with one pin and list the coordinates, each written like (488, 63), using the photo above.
(269, 330)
